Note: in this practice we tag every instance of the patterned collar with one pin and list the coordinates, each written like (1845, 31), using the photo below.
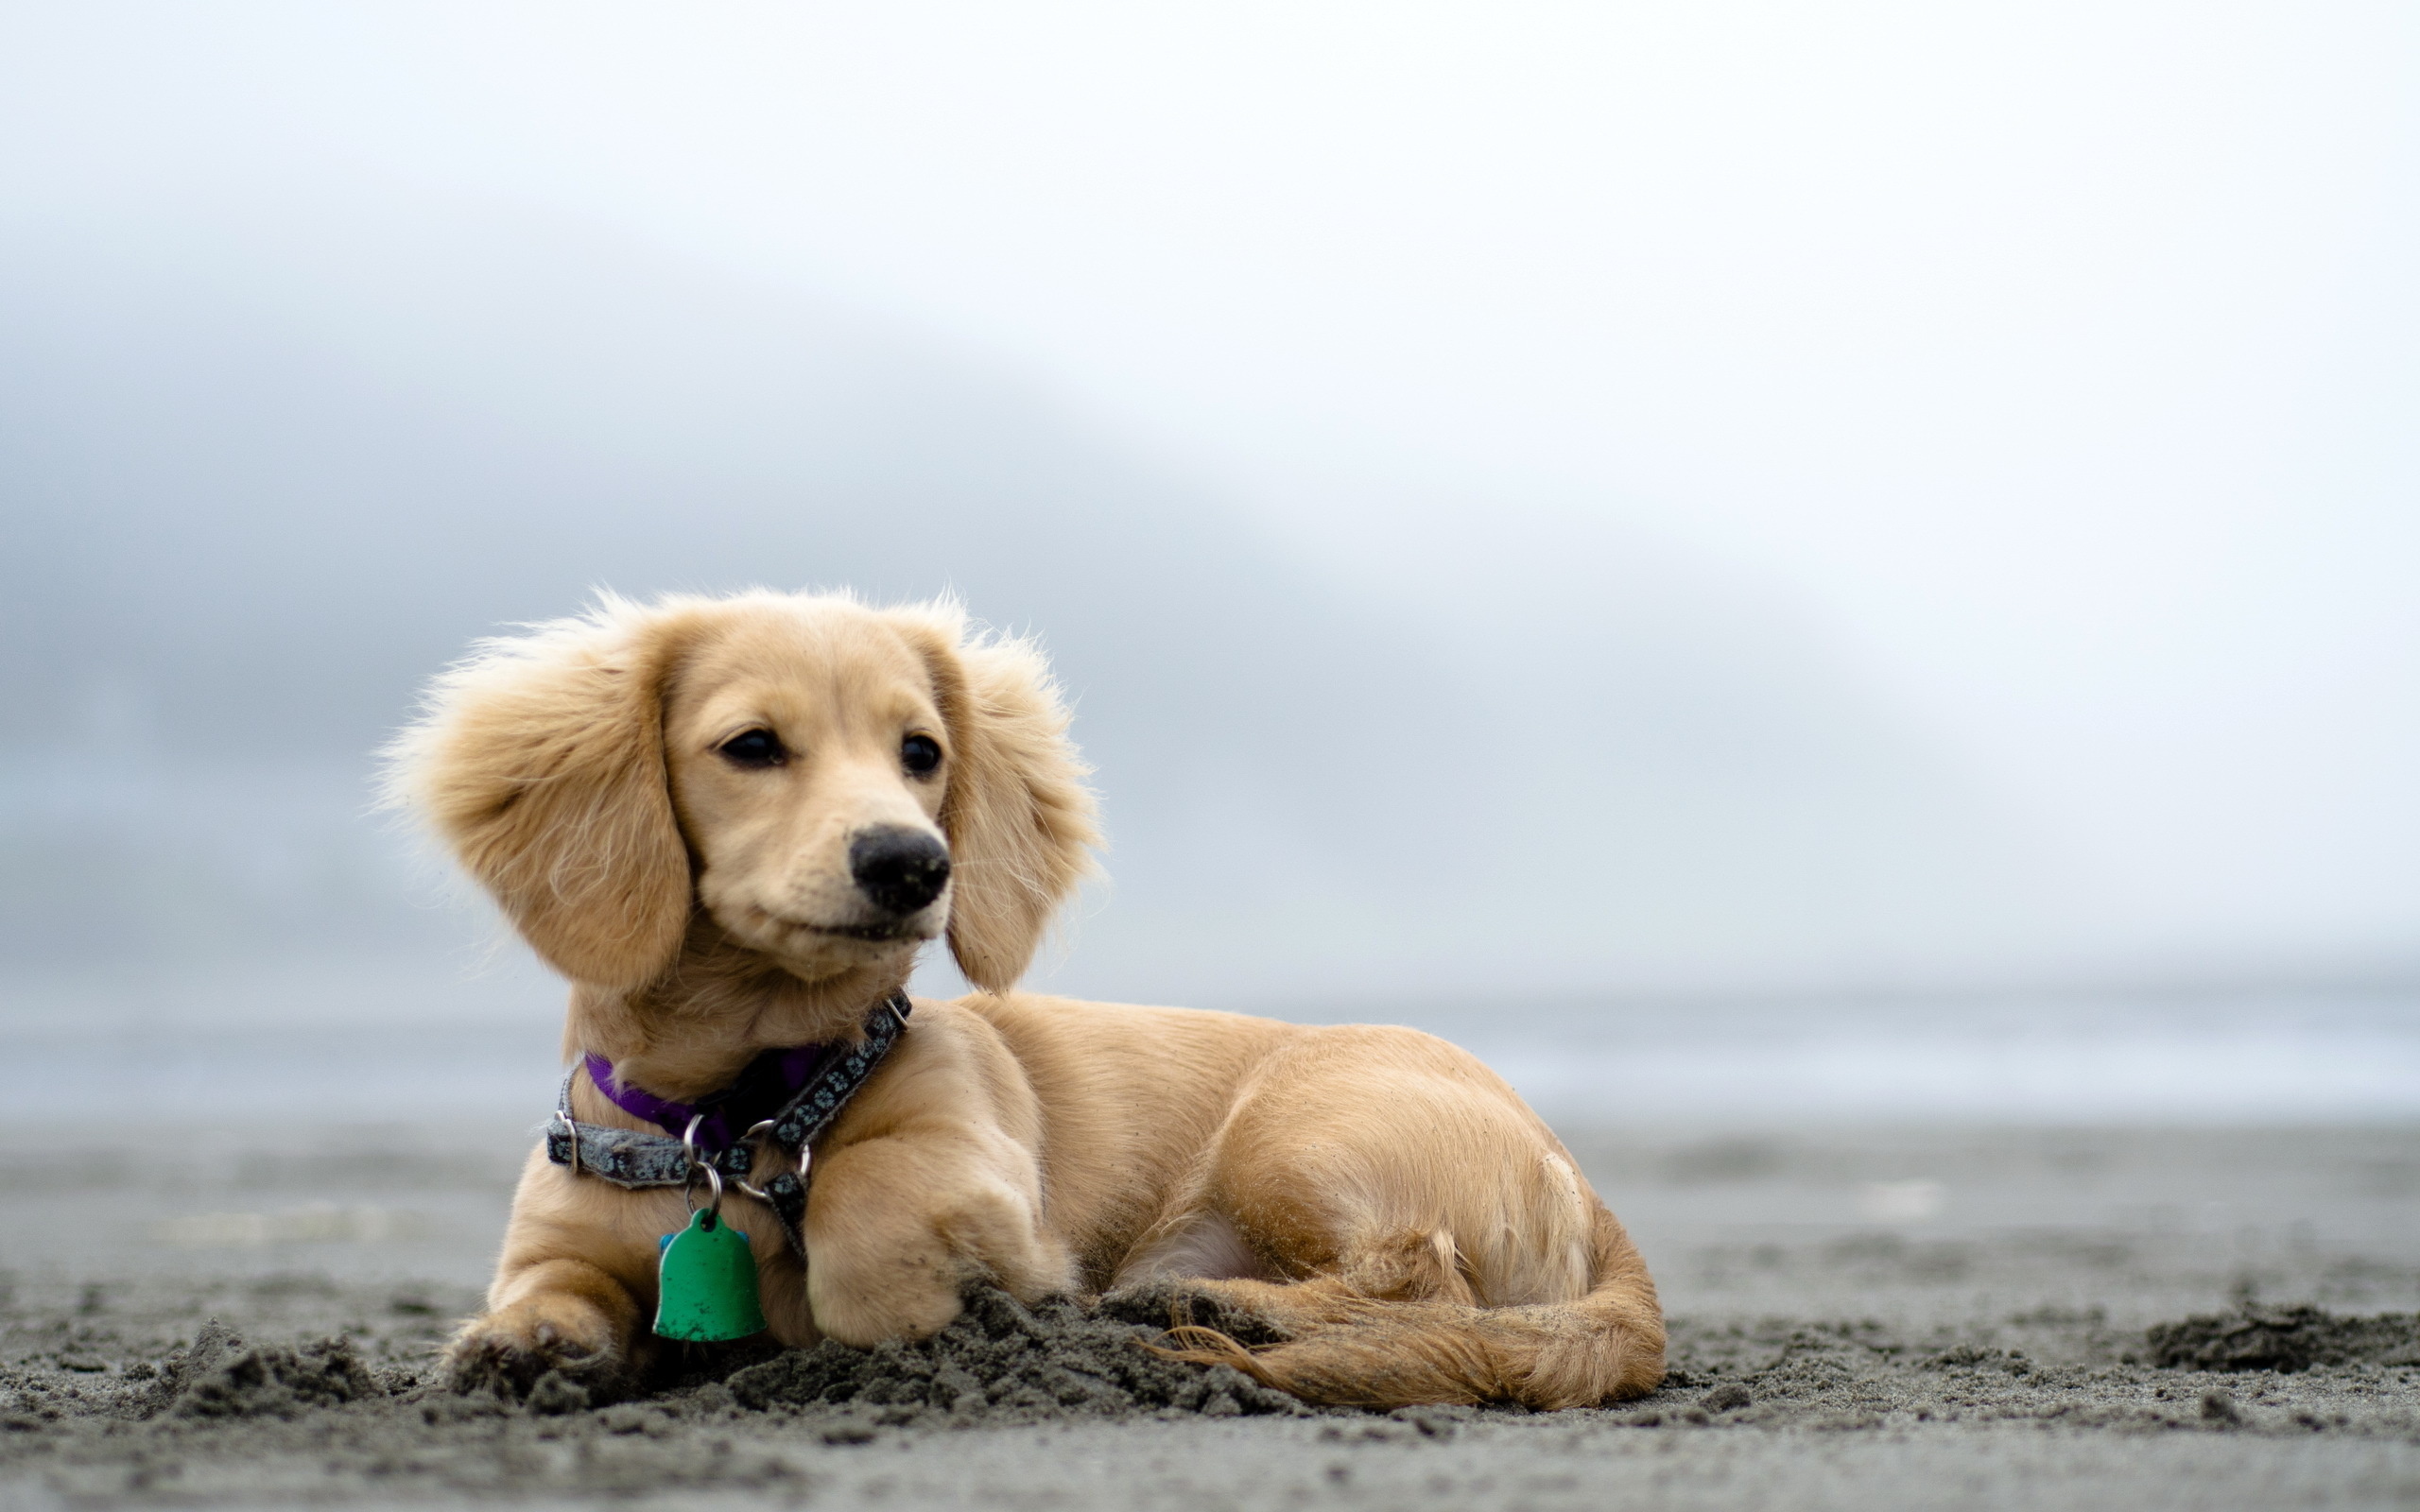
(826, 1077)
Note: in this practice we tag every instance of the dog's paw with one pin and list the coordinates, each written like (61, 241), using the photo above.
(557, 1348)
(1164, 1302)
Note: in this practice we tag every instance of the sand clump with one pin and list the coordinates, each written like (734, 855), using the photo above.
(1003, 1362)
(218, 1376)
(2286, 1339)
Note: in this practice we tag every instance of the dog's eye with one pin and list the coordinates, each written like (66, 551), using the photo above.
(920, 754)
(755, 748)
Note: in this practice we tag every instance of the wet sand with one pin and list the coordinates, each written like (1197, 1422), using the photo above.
(1871, 1317)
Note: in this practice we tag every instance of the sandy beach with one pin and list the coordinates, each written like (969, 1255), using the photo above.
(1877, 1317)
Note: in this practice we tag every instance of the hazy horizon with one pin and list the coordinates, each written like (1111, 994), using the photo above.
(1508, 522)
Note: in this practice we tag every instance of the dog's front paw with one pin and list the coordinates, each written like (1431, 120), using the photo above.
(562, 1346)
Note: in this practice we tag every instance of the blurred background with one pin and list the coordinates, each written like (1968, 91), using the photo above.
(1748, 561)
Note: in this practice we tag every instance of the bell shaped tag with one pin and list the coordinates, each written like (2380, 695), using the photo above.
(705, 1282)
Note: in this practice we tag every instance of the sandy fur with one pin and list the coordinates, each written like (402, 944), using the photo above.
(1375, 1194)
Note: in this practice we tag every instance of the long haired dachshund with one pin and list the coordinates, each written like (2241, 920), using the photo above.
(732, 823)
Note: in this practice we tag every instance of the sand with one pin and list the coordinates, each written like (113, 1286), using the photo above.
(1860, 1318)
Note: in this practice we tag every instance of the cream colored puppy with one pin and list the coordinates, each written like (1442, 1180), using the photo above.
(732, 823)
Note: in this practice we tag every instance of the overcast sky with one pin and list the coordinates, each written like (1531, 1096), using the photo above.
(2051, 370)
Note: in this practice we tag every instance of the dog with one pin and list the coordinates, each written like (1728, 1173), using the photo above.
(732, 823)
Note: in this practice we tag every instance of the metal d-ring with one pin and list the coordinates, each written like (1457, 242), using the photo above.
(571, 1138)
(713, 1177)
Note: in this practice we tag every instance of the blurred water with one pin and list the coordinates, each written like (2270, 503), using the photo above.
(402, 1036)
(346, 1038)
(2307, 1057)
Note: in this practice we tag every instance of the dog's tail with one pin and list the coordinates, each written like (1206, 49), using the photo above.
(1428, 1343)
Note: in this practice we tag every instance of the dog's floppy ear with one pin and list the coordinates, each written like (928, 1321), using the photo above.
(540, 765)
(1017, 815)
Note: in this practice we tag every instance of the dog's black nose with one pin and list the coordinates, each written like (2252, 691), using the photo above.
(900, 870)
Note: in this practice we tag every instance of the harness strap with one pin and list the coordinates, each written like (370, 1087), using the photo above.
(635, 1161)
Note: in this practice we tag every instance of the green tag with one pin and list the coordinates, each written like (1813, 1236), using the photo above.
(705, 1283)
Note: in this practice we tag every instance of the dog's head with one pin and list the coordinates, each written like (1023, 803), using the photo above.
(831, 785)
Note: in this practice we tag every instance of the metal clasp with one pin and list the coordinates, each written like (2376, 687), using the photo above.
(763, 1129)
(571, 1137)
(713, 1177)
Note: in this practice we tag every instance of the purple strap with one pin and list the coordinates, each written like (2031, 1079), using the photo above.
(762, 1090)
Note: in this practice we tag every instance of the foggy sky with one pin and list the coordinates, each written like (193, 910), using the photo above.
(1551, 496)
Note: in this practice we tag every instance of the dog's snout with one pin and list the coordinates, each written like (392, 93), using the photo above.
(899, 868)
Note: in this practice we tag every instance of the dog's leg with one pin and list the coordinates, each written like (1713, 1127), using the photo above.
(564, 1315)
(1442, 1248)
(1345, 1341)
(570, 1291)
(896, 1226)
